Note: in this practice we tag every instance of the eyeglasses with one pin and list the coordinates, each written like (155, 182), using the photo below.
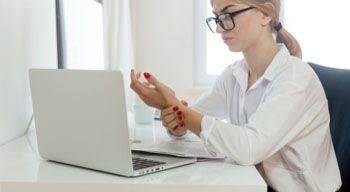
(225, 20)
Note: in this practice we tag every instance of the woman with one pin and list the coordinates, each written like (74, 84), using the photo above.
(278, 112)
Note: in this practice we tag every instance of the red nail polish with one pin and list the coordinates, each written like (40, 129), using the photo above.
(147, 75)
(179, 113)
(175, 108)
(179, 118)
(182, 124)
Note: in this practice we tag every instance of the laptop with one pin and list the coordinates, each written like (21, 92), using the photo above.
(81, 120)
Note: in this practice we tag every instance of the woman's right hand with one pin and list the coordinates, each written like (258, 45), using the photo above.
(153, 92)
(173, 120)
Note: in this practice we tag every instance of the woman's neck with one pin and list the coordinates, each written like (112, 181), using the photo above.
(258, 58)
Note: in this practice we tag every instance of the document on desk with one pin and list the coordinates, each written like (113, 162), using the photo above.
(188, 147)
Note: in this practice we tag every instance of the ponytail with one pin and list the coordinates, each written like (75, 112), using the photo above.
(283, 36)
(272, 8)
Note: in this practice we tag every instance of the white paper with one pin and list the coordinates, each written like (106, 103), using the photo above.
(183, 148)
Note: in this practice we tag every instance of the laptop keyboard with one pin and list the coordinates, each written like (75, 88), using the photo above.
(139, 163)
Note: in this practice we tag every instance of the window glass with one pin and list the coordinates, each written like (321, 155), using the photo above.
(83, 34)
(321, 30)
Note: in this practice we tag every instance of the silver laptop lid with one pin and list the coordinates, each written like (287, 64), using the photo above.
(81, 118)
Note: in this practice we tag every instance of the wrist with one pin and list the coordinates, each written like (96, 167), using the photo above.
(192, 119)
(174, 102)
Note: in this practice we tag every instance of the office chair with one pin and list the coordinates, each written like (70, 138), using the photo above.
(336, 83)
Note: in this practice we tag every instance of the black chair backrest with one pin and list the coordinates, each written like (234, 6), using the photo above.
(336, 83)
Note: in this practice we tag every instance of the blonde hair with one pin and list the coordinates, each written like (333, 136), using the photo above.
(283, 36)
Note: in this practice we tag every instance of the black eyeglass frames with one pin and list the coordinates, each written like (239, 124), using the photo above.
(225, 20)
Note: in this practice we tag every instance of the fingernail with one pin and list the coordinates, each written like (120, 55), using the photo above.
(175, 108)
(182, 124)
(179, 118)
(147, 75)
(179, 113)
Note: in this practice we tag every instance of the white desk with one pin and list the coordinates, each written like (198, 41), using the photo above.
(21, 169)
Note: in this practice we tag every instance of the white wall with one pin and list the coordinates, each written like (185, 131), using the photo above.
(27, 39)
(164, 42)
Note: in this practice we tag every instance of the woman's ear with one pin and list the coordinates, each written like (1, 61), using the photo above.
(269, 12)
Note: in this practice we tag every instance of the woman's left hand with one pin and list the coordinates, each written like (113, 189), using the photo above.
(173, 119)
(153, 92)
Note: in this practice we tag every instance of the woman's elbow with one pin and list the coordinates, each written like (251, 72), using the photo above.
(247, 157)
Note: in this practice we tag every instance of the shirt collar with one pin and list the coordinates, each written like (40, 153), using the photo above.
(240, 71)
(280, 58)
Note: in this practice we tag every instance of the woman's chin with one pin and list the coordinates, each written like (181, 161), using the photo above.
(233, 48)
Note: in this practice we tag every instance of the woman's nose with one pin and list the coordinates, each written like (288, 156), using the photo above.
(219, 29)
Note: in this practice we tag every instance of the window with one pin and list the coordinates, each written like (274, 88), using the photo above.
(212, 55)
(321, 32)
(80, 34)
(218, 55)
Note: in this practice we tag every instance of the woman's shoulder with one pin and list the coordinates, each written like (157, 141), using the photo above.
(298, 70)
(299, 74)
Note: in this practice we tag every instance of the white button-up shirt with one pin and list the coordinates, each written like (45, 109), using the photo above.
(280, 124)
